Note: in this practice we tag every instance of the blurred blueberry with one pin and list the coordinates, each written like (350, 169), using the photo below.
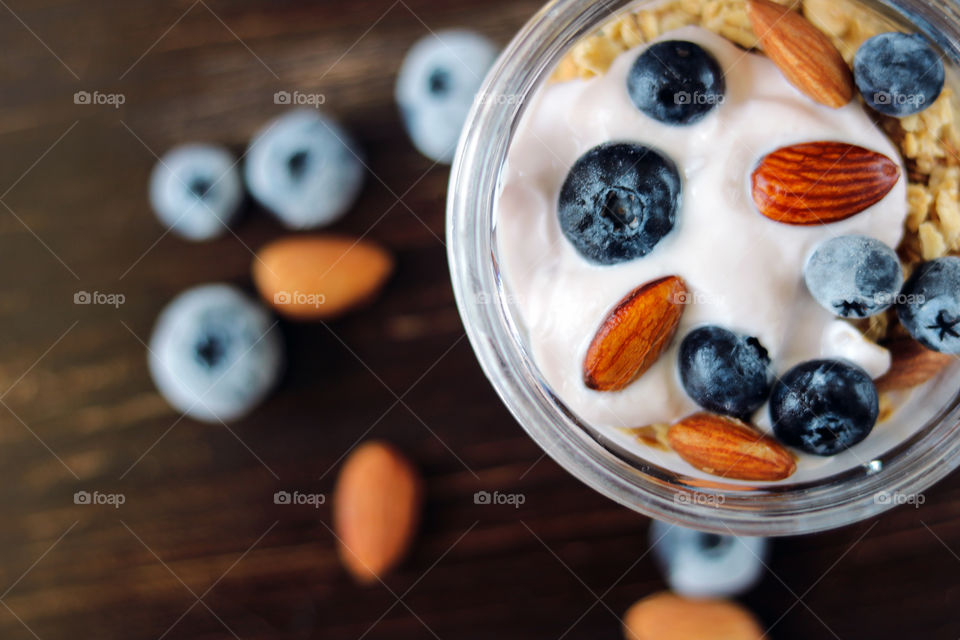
(195, 190)
(930, 305)
(618, 201)
(898, 74)
(854, 276)
(304, 168)
(707, 565)
(215, 353)
(436, 86)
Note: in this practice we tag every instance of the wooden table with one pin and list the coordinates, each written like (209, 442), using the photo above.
(199, 549)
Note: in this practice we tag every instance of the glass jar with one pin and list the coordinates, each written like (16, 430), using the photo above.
(498, 337)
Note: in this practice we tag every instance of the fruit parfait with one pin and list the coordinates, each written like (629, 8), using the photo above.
(728, 230)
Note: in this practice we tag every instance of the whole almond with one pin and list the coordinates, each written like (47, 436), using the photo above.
(319, 277)
(803, 53)
(821, 182)
(911, 364)
(729, 448)
(667, 616)
(634, 334)
(376, 509)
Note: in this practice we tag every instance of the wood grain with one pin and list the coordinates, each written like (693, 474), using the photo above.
(79, 411)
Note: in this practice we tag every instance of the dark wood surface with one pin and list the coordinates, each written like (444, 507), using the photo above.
(199, 549)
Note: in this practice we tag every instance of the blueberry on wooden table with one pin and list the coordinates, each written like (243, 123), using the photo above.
(823, 407)
(195, 190)
(898, 74)
(854, 276)
(305, 168)
(676, 82)
(618, 201)
(929, 304)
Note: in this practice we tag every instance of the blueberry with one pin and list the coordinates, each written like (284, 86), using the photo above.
(854, 276)
(215, 353)
(304, 168)
(929, 305)
(725, 372)
(824, 406)
(436, 87)
(676, 82)
(898, 74)
(697, 564)
(618, 201)
(195, 190)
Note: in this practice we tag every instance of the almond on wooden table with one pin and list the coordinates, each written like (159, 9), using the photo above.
(803, 53)
(376, 509)
(634, 334)
(667, 616)
(730, 448)
(911, 364)
(316, 277)
(821, 182)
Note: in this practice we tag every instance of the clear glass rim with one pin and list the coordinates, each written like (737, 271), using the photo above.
(912, 466)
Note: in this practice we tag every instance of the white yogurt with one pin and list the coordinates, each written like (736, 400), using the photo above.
(744, 272)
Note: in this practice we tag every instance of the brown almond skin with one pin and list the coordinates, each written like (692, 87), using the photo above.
(911, 364)
(634, 334)
(376, 509)
(330, 275)
(821, 182)
(667, 616)
(729, 448)
(803, 53)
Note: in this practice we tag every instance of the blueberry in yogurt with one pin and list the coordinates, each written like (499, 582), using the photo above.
(929, 304)
(305, 168)
(215, 353)
(698, 564)
(676, 82)
(437, 85)
(725, 372)
(195, 190)
(823, 407)
(853, 276)
(618, 201)
(898, 74)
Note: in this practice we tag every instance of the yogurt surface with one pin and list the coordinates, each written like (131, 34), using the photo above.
(744, 271)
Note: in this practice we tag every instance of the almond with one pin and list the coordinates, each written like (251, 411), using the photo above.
(821, 182)
(319, 277)
(730, 448)
(376, 509)
(667, 616)
(911, 364)
(634, 334)
(803, 53)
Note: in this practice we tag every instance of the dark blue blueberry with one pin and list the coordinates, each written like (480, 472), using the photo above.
(929, 305)
(854, 276)
(618, 201)
(824, 406)
(898, 74)
(676, 82)
(725, 372)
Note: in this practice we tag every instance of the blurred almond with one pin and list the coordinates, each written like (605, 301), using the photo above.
(666, 616)
(320, 277)
(376, 509)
